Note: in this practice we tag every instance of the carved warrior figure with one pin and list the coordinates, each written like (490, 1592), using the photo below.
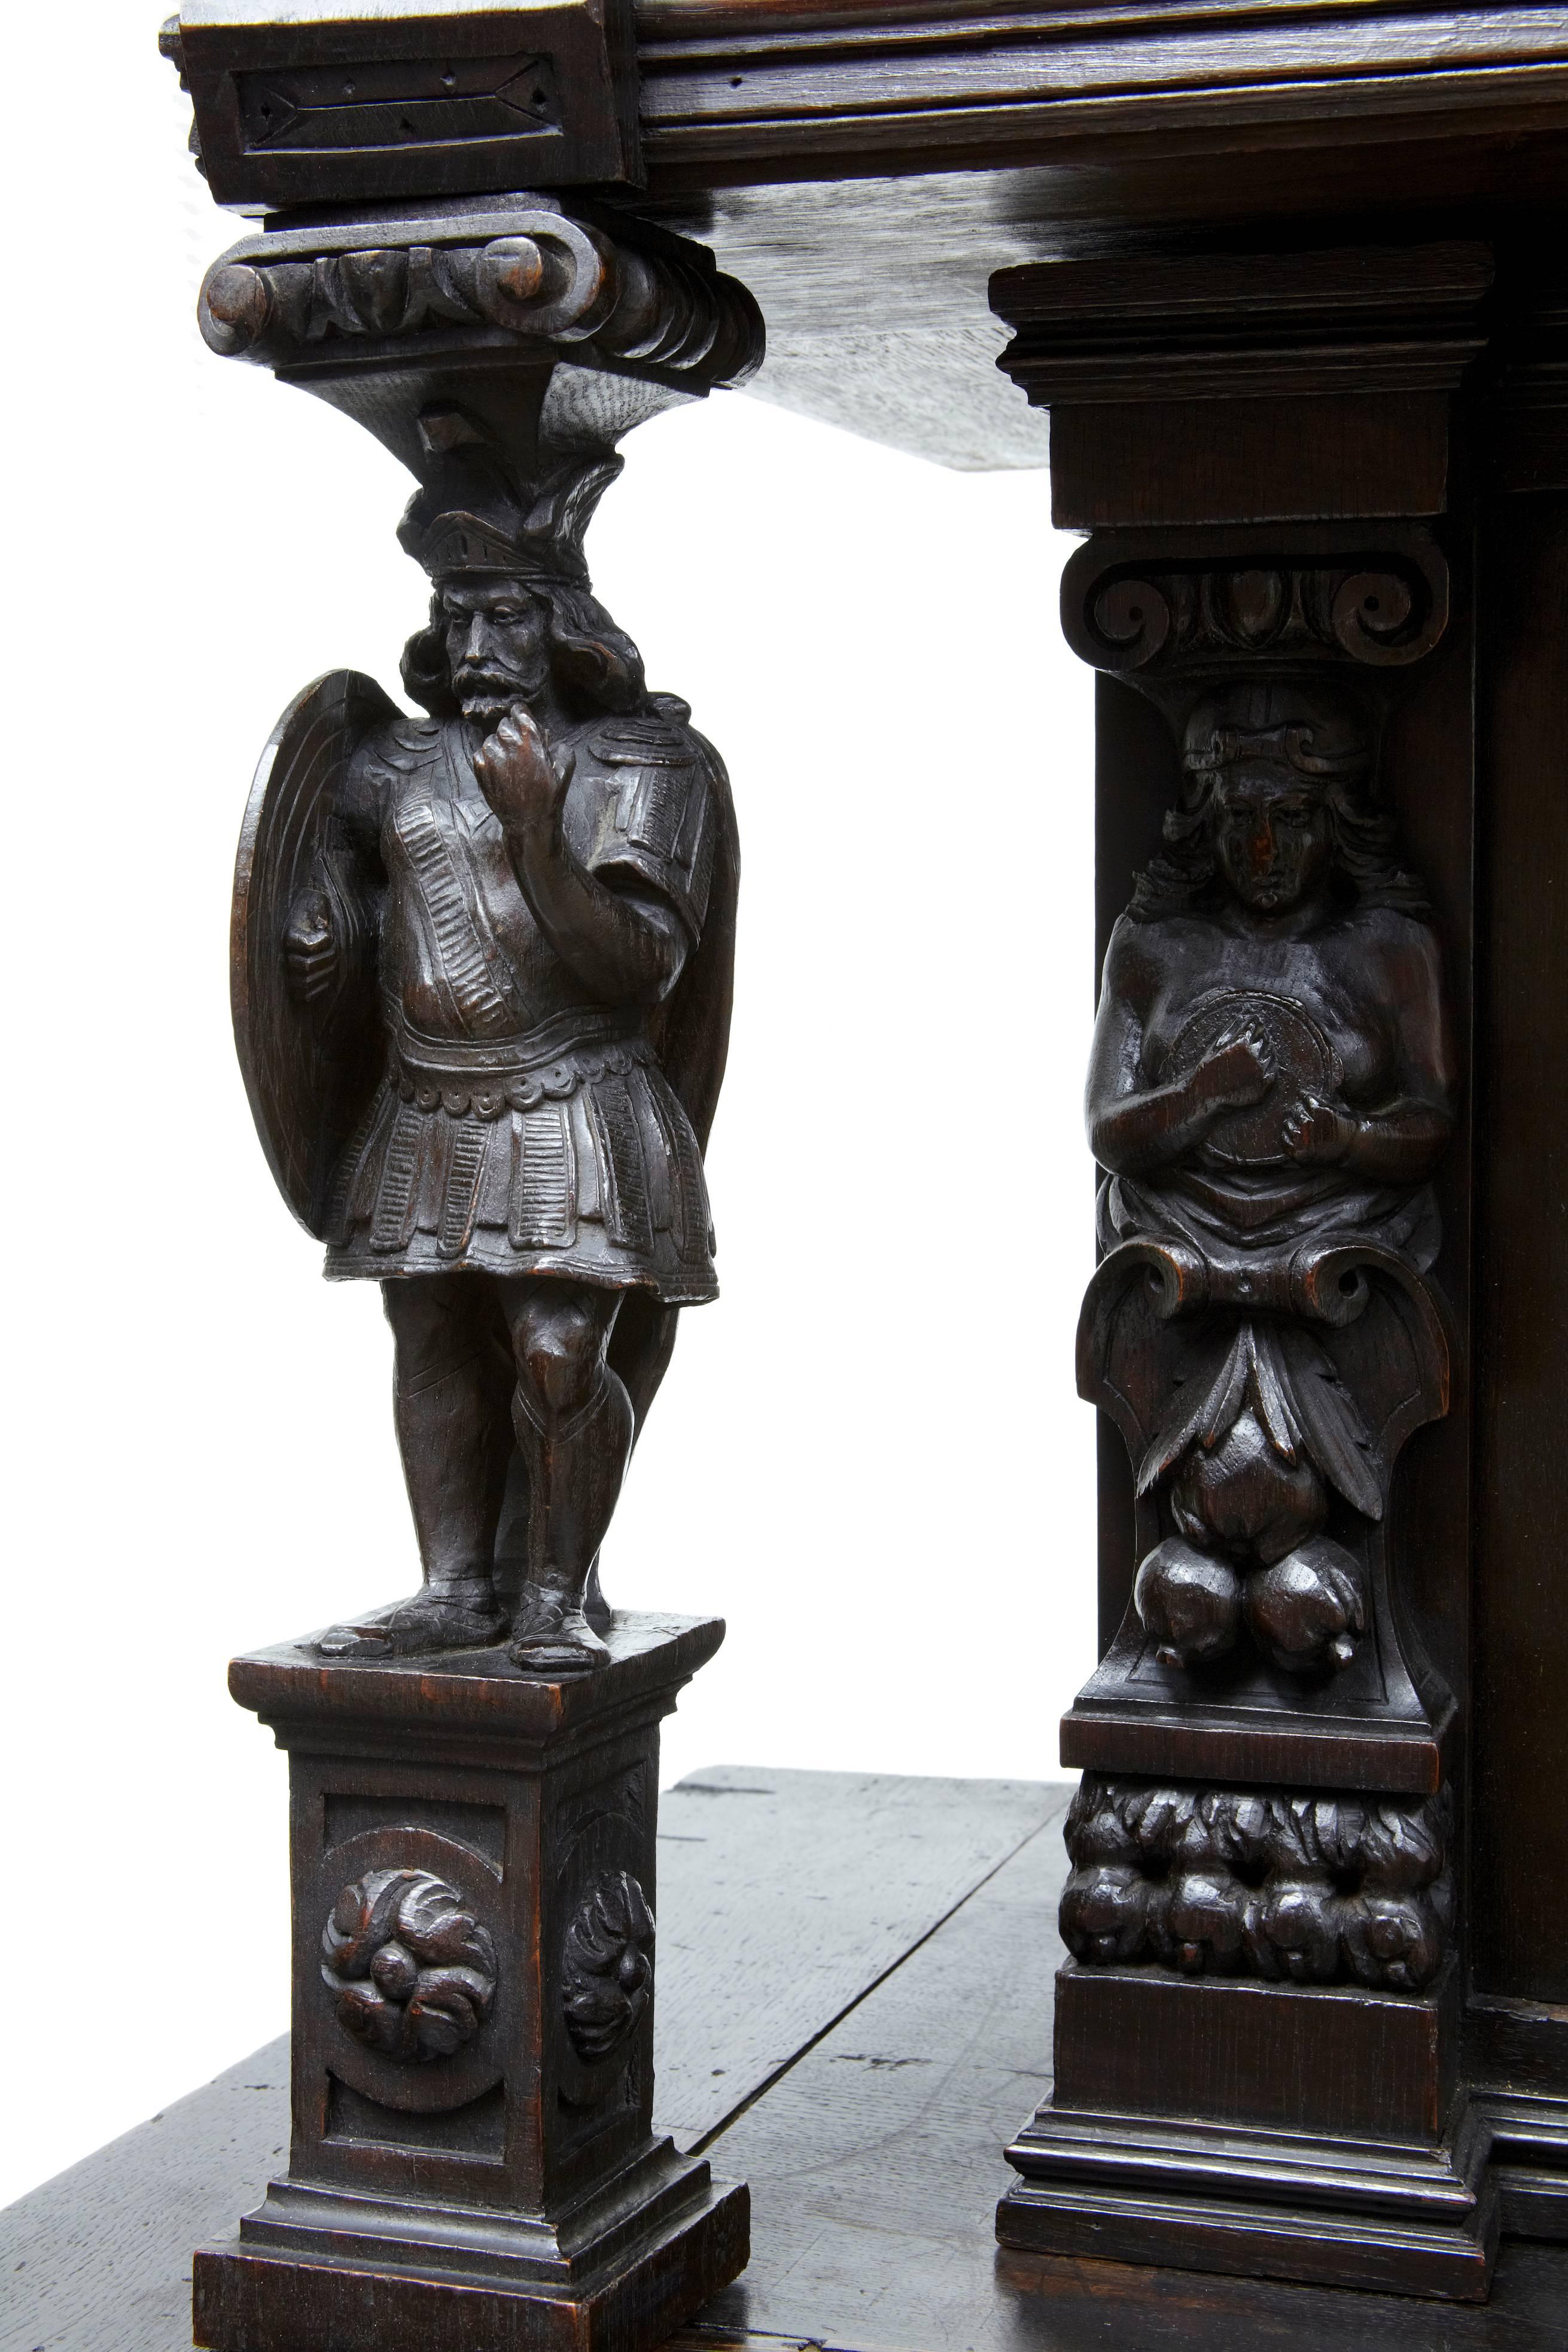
(1271, 1084)
(535, 887)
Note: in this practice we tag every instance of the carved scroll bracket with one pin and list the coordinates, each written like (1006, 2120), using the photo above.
(1166, 609)
(524, 276)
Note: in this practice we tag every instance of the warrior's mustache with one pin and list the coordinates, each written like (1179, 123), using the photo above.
(487, 685)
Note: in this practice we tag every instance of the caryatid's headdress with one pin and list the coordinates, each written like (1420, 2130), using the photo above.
(1284, 725)
(472, 514)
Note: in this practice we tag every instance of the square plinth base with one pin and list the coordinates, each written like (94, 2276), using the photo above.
(1277, 2131)
(259, 2299)
(1258, 2207)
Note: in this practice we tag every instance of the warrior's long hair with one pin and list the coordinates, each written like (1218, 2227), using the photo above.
(597, 666)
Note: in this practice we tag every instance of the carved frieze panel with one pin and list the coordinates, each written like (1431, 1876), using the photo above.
(1308, 1889)
(411, 99)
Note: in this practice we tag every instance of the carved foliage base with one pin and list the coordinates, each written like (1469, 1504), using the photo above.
(1308, 1888)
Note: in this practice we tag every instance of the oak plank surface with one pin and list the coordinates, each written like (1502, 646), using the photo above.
(782, 1896)
(876, 2163)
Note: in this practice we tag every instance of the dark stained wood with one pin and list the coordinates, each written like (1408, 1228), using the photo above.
(1520, 1846)
(773, 93)
(1287, 275)
(874, 2163)
(474, 1864)
(1074, 119)
(1330, 2060)
(1262, 561)
(310, 105)
(810, 1884)
(751, 1863)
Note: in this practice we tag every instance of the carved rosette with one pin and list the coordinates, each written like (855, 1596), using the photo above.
(606, 1973)
(1312, 1889)
(412, 1972)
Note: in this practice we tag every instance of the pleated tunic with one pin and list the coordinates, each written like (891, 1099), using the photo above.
(523, 1126)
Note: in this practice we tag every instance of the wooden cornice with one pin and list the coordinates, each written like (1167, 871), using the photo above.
(766, 92)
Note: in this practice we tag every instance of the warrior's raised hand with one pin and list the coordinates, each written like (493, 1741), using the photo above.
(517, 776)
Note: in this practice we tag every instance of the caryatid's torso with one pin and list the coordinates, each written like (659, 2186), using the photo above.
(1353, 1013)
(524, 1125)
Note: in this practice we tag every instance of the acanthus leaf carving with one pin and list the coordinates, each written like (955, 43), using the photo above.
(608, 1966)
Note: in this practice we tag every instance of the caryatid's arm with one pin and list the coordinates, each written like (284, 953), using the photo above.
(1397, 1141)
(625, 945)
(1135, 1129)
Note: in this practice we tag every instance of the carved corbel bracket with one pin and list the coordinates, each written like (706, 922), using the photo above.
(1165, 609)
(551, 332)
(524, 278)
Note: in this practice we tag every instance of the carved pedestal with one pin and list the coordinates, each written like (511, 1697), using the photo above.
(1269, 2051)
(473, 2158)
(482, 969)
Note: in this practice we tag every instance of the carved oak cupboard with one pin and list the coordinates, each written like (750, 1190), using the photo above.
(1277, 290)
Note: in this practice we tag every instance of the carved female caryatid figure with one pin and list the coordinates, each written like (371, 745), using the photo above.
(527, 902)
(1270, 1087)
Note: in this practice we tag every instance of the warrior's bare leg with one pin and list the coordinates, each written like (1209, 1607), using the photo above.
(451, 1385)
(574, 1423)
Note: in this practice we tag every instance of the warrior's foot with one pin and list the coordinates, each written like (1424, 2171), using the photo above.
(459, 1616)
(551, 1635)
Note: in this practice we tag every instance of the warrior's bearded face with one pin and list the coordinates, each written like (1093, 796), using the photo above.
(498, 646)
(1272, 835)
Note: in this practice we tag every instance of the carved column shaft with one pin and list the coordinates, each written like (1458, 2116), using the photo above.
(1264, 1906)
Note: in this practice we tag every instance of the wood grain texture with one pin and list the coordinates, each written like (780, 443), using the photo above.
(785, 1894)
(874, 2165)
(778, 97)
(776, 1912)
(1519, 1843)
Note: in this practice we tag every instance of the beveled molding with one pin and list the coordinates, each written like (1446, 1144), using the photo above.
(773, 91)
(1248, 388)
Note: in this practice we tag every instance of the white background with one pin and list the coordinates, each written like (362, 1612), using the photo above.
(867, 1455)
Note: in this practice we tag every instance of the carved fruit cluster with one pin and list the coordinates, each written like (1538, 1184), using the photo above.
(413, 1972)
(1317, 1890)
(608, 1971)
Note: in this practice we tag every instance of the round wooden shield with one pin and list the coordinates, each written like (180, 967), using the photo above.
(309, 1068)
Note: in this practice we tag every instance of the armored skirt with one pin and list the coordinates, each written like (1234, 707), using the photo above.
(585, 1168)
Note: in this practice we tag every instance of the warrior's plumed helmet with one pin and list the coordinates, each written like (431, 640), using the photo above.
(1286, 726)
(473, 513)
